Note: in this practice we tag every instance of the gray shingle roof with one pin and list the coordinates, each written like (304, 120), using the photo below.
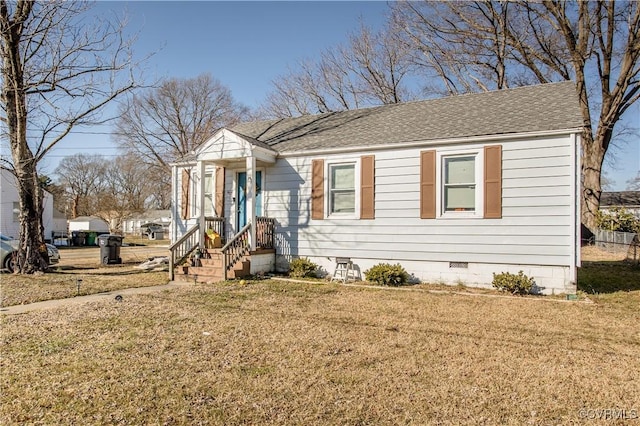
(545, 107)
(620, 199)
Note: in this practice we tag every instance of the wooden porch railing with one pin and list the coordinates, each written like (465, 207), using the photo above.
(182, 248)
(215, 223)
(236, 248)
(233, 251)
(265, 232)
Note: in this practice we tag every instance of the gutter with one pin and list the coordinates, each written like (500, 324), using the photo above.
(414, 144)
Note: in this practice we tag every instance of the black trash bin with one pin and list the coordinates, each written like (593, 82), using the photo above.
(78, 238)
(110, 249)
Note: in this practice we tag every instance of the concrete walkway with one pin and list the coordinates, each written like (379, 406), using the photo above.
(49, 304)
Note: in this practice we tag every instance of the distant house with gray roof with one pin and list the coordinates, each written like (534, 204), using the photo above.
(629, 200)
(135, 225)
(453, 189)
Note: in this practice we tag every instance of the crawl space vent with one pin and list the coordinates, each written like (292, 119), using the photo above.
(458, 264)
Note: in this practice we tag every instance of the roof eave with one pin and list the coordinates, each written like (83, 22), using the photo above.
(430, 142)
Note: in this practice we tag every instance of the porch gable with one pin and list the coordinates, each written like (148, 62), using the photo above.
(226, 145)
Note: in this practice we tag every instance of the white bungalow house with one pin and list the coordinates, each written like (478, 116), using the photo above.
(453, 189)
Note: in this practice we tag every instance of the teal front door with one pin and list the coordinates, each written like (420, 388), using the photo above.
(241, 196)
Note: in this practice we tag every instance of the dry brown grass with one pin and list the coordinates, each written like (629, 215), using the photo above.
(63, 283)
(288, 353)
(81, 263)
(595, 254)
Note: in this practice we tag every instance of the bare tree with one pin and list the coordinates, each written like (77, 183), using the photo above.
(379, 63)
(159, 182)
(633, 184)
(464, 45)
(58, 71)
(369, 70)
(486, 45)
(84, 177)
(127, 190)
(167, 122)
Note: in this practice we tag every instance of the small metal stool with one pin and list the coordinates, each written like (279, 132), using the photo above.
(345, 270)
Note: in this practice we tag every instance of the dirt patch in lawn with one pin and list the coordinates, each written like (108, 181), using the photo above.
(291, 353)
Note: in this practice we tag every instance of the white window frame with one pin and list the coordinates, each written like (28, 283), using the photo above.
(329, 164)
(441, 155)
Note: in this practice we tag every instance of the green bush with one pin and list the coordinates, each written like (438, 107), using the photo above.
(387, 274)
(512, 283)
(618, 219)
(302, 267)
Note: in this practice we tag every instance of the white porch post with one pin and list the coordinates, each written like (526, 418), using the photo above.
(200, 207)
(175, 214)
(251, 195)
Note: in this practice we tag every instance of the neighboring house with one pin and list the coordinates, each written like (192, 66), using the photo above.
(132, 225)
(10, 209)
(453, 189)
(629, 200)
(88, 223)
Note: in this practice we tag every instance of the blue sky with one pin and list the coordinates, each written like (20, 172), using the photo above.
(246, 45)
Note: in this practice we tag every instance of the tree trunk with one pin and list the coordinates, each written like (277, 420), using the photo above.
(592, 158)
(29, 258)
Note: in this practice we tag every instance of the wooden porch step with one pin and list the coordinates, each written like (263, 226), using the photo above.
(214, 253)
(211, 273)
(215, 263)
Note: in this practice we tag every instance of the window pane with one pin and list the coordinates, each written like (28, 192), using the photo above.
(459, 170)
(343, 176)
(460, 198)
(343, 202)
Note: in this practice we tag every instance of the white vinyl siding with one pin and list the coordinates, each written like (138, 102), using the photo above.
(535, 228)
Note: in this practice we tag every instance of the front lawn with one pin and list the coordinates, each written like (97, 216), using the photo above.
(289, 353)
(16, 289)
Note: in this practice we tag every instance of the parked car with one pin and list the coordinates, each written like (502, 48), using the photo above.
(8, 246)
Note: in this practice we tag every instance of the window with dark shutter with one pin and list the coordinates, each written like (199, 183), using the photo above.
(317, 189)
(493, 182)
(367, 187)
(428, 185)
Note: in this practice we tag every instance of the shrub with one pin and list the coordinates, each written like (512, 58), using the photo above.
(302, 267)
(618, 219)
(512, 283)
(387, 274)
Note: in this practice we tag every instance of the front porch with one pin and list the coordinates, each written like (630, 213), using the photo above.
(217, 191)
(211, 262)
